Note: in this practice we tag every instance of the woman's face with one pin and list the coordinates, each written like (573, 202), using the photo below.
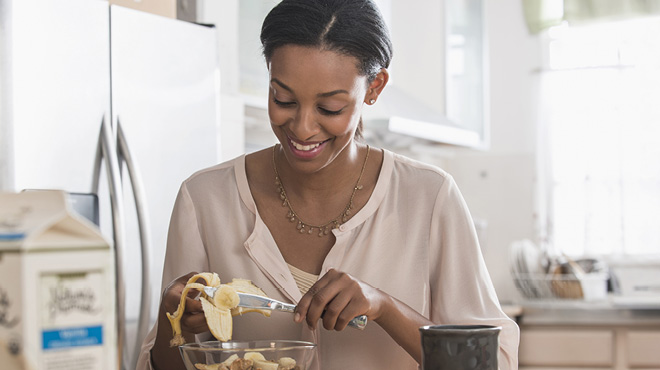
(314, 104)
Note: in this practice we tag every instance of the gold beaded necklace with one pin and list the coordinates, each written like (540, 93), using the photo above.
(306, 228)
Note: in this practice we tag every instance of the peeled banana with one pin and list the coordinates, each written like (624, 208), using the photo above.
(218, 310)
(246, 286)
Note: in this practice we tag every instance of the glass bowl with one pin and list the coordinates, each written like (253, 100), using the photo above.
(200, 356)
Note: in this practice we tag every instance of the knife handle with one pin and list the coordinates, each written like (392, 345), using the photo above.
(358, 322)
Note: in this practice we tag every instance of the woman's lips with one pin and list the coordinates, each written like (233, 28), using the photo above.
(305, 148)
(306, 151)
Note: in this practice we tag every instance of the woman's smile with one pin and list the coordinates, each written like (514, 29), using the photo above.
(306, 150)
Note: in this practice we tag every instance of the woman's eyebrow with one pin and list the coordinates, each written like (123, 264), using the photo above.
(284, 86)
(331, 93)
(320, 95)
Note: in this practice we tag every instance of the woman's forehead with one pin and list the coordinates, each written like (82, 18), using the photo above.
(299, 66)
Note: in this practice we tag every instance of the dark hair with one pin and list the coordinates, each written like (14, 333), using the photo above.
(350, 27)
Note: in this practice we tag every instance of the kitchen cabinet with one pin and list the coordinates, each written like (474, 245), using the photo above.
(612, 347)
(566, 348)
(643, 349)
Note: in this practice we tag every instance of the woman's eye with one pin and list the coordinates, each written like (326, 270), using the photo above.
(283, 103)
(330, 112)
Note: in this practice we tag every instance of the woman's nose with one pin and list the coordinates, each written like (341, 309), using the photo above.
(304, 124)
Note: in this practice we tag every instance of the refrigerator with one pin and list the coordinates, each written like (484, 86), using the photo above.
(109, 101)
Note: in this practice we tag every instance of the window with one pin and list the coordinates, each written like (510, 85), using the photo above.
(600, 138)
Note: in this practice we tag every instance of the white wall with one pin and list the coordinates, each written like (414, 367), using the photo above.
(498, 184)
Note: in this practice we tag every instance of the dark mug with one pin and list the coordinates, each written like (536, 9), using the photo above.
(459, 347)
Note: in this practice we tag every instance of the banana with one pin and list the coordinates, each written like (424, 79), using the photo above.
(218, 310)
(266, 365)
(254, 356)
(246, 286)
(225, 297)
(211, 279)
(286, 363)
(218, 319)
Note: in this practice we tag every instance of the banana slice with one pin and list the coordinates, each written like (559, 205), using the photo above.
(266, 365)
(254, 356)
(286, 363)
(225, 297)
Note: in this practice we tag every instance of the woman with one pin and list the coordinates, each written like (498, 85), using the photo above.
(323, 220)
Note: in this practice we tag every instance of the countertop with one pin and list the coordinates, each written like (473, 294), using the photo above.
(614, 311)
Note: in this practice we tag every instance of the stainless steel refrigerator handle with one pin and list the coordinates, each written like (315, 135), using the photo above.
(107, 150)
(145, 240)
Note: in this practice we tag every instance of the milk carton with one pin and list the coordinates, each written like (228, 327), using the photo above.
(57, 287)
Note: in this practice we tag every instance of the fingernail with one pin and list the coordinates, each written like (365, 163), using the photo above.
(296, 317)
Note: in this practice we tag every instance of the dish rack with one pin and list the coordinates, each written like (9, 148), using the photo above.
(587, 287)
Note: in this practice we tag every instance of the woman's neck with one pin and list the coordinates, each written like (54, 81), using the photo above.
(337, 178)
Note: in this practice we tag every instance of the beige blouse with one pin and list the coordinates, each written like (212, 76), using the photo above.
(414, 239)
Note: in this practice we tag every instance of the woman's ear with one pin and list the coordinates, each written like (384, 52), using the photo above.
(376, 86)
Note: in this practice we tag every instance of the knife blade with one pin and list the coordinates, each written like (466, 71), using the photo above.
(264, 303)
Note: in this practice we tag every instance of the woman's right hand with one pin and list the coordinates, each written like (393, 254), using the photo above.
(193, 320)
(163, 355)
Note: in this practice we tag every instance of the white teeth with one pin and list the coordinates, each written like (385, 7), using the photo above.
(304, 147)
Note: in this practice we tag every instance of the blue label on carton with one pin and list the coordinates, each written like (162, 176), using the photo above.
(11, 236)
(72, 337)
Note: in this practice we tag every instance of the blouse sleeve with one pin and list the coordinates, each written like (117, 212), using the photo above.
(185, 253)
(461, 289)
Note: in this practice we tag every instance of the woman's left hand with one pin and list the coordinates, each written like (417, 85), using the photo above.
(337, 298)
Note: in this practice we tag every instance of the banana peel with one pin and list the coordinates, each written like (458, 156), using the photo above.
(218, 310)
(211, 279)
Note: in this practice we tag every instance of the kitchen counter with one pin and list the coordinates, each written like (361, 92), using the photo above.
(615, 310)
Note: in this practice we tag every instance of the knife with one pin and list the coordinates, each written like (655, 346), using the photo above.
(264, 303)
